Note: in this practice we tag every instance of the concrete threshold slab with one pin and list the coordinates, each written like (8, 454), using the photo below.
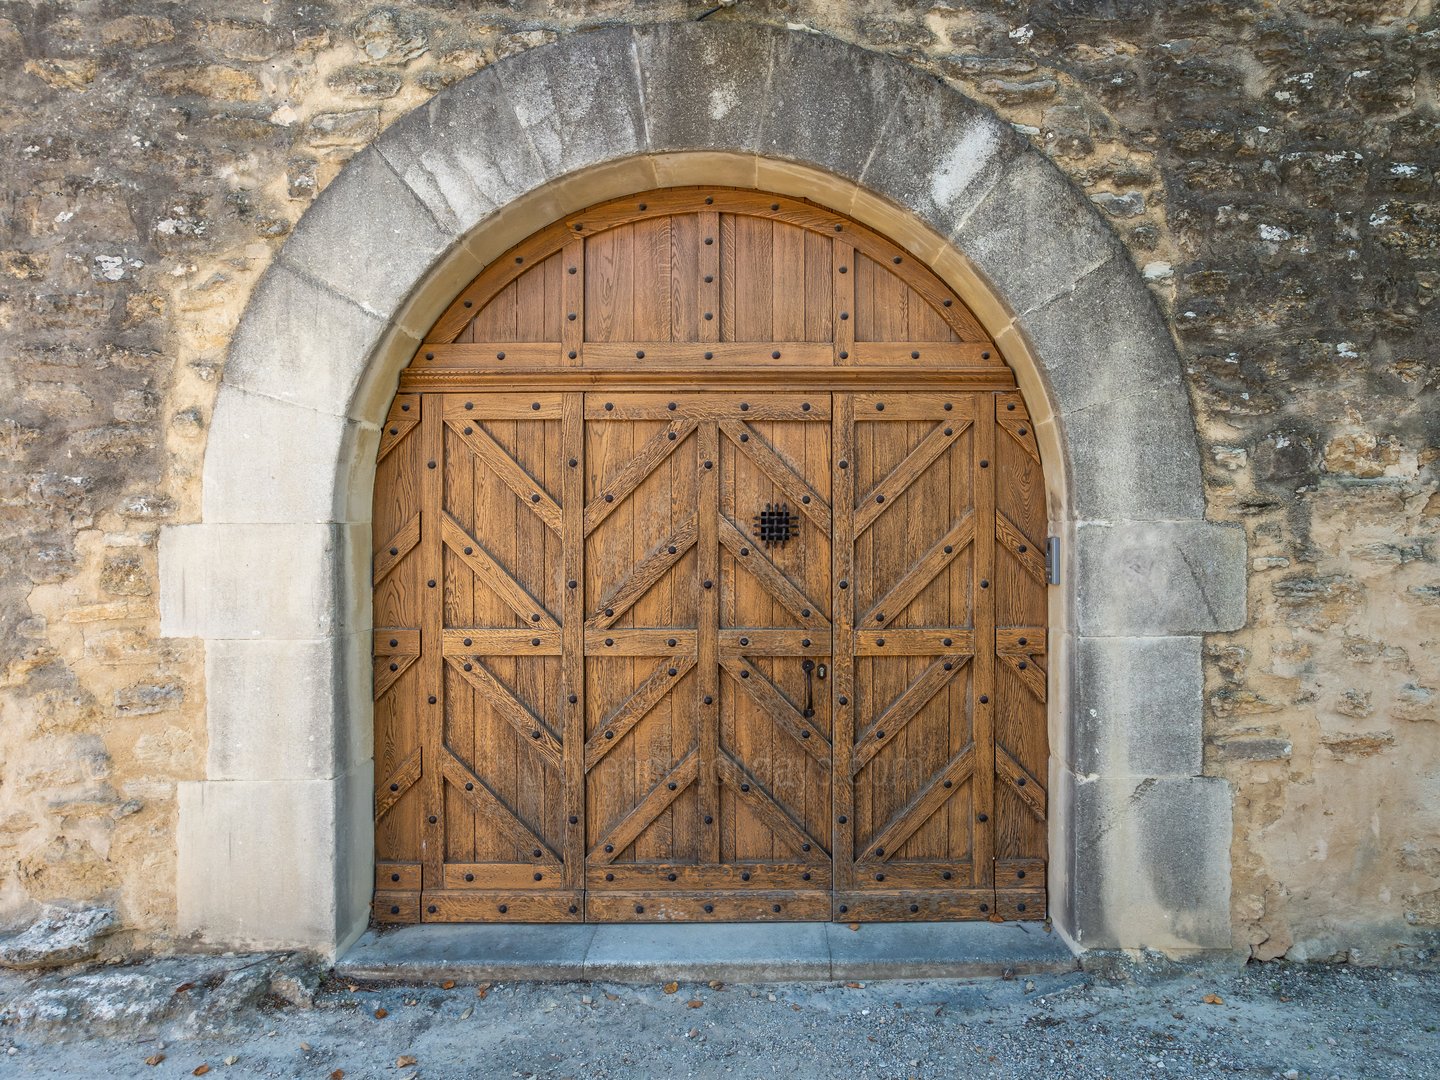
(730, 952)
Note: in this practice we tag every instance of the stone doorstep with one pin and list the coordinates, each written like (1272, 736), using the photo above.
(729, 952)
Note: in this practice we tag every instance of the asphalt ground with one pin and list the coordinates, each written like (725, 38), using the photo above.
(1274, 1020)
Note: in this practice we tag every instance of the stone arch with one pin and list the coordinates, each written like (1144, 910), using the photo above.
(275, 576)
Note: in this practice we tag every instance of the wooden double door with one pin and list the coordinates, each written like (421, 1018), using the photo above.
(710, 654)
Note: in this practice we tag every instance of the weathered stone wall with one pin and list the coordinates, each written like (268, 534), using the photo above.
(1270, 165)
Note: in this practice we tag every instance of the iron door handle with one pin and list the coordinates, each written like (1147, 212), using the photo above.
(809, 668)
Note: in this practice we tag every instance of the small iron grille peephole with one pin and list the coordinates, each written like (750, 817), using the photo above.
(775, 525)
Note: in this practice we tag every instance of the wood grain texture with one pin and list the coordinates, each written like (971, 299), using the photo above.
(472, 789)
(1022, 668)
(466, 372)
(707, 689)
(431, 554)
(778, 708)
(715, 716)
(506, 704)
(600, 693)
(393, 788)
(709, 265)
(400, 703)
(527, 489)
(404, 414)
(496, 577)
(612, 730)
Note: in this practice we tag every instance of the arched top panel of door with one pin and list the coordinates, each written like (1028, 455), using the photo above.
(711, 284)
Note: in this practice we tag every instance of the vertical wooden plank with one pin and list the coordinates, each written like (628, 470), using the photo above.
(398, 711)
(530, 306)
(842, 651)
(488, 740)
(572, 633)
(916, 742)
(650, 269)
(748, 731)
(819, 293)
(513, 769)
(843, 260)
(496, 320)
(572, 328)
(753, 272)
(598, 461)
(555, 296)
(432, 627)
(710, 277)
(726, 241)
(959, 582)
(787, 303)
(925, 322)
(685, 287)
(649, 744)
(1020, 616)
(525, 548)
(984, 720)
(862, 316)
(730, 616)
(684, 720)
(465, 482)
(686, 831)
(880, 552)
(550, 701)
(754, 730)
(820, 464)
(607, 285)
(707, 666)
(888, 307)
(632, 753)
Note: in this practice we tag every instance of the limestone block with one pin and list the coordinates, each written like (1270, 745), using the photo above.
(464, 153)
(271, 461)
(704, 86)
(1135, 706)
(578, 102)
(762, 954)
(1102, 339)
(1134, 457)
(368, 237)
(1151, 862)
(1034, 235)
(828, 103)
(288, 710)
(301, 342)
(355, 855)
(1157, 578)
(941, 153)
(275, 864)
(263, 581)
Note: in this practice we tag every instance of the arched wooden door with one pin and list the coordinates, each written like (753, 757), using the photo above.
(709, 585)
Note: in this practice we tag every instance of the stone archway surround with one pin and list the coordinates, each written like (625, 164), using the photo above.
(275, 843)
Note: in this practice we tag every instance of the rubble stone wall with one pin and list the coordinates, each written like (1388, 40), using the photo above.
(1270, 166)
